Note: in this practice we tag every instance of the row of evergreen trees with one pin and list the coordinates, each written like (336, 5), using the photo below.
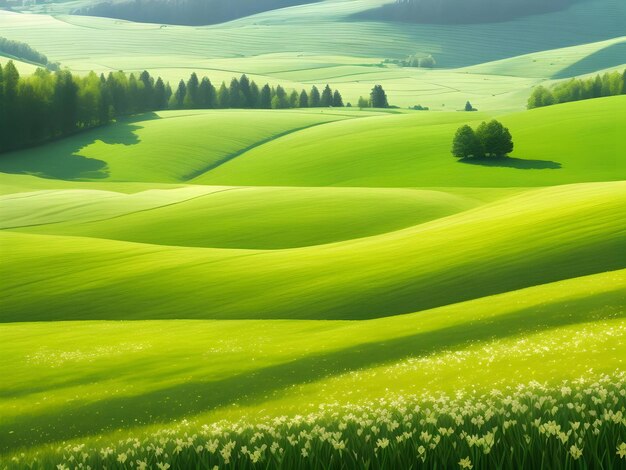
(47, 105)
(609, 84)
(21, 50)
(246, 94)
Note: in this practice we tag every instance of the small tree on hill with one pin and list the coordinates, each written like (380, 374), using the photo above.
(363, 103)
(469, 107)
(378, 97)
(466, 144)
(495, 138)
(337, 100)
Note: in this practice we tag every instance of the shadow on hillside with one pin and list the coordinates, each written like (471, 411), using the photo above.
(62, 159)
(510, 162)
(255, 386)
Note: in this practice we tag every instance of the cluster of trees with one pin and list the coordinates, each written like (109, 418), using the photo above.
(49, 105)
(609, 84)
(183, 12)
(415, 60)
(490, 139)
(462, 11)
(377, 99)
(21, 50)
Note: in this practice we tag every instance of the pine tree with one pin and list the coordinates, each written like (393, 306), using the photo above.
(294, 99)
(159, 98)
(206, 94)
(223, 97)
(337, 100)
(178, 99)
(314, 98)
(327, 97)
(304, 100)
(246, 94)
(280, 99)
(265, 98)
(147, 99)
(236, 99)
(191, 94)
(254, 95)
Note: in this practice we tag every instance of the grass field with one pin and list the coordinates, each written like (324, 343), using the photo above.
(322, 288)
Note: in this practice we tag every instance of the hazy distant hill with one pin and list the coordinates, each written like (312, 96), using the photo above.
(184, 12)
(463, 11)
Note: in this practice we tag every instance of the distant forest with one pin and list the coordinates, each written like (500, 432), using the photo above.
(47, 105)
(576, 89)
(184, 12)
(462, 11)
(21, 50)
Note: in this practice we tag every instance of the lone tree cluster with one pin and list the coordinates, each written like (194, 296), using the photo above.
(490, 139)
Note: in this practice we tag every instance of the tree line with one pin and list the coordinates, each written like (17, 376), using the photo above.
(21, 50)
(576, 89)
(462, 11)
(183, 12)
(48, 105)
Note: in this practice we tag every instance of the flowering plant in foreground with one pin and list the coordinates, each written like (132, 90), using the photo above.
(579, 424)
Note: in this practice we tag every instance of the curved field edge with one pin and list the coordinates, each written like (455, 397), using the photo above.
(84, 378)
(534, 238)
(231, 217)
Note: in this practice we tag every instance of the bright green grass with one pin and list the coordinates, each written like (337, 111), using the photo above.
(561, 144)
(169, 146)
(539, 236)
(263, 218)
(68, 380)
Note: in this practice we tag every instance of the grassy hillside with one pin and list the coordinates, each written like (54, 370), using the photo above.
(568, 143)
(177, 269)
(232, 217)
(77, 379)
(567, 231)
(192, 143)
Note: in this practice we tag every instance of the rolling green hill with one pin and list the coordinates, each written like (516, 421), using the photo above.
(180, 268)
(570, 143)
(568, 231)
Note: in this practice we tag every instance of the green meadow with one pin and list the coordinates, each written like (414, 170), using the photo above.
(263, 288)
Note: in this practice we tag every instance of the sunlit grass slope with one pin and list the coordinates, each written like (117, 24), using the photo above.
(264, 218)
(171, 146)
(539, 236)
(568, 143)
(68, 380)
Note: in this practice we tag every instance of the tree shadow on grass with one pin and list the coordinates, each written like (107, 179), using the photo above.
(254, 386)
(511, 162)
(62, 159)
